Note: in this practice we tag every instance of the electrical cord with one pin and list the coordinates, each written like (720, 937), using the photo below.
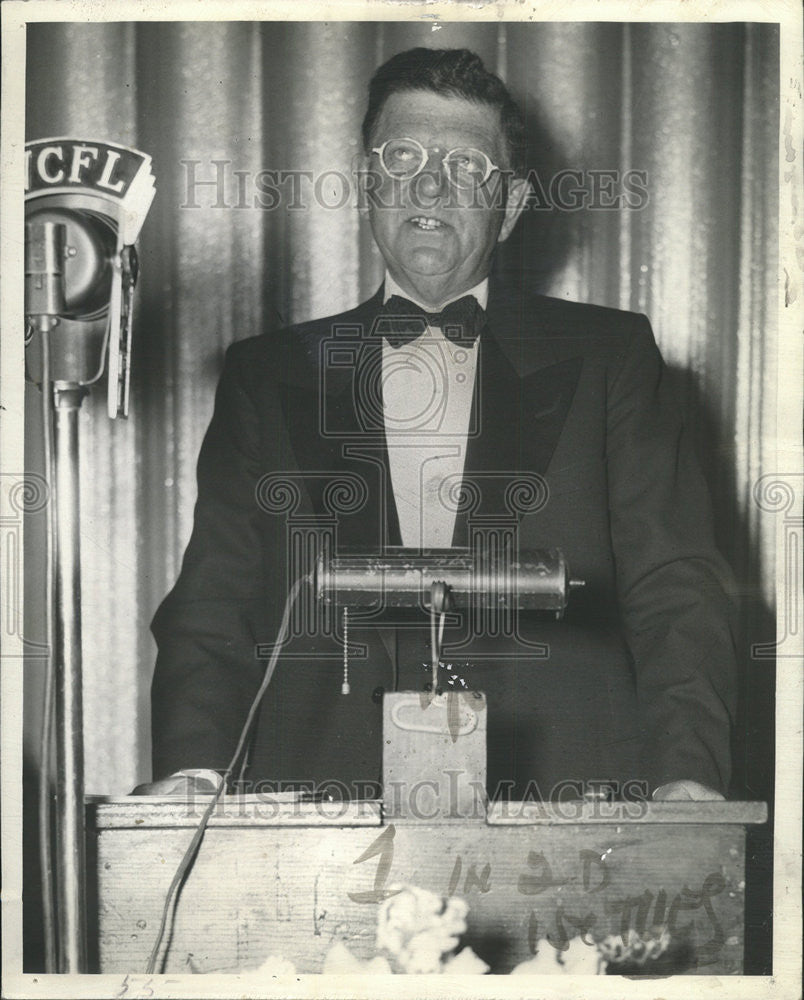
(192, 850)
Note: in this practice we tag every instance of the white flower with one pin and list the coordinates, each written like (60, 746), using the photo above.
(465, 963)
(418, 928)
(340, 961)
(580, 959)
(276, 966)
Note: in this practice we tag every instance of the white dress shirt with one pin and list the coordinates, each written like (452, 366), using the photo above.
(427, 388)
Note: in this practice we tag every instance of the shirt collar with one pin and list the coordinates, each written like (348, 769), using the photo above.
(480, 292)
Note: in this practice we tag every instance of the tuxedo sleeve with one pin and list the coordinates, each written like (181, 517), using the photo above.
(675, 589)
(208, 627)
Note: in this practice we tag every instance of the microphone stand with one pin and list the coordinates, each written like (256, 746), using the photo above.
(44, 288)
(80, 272)
(71, 869)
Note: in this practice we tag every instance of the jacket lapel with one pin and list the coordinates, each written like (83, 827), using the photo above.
(334, 418)
(522, 398)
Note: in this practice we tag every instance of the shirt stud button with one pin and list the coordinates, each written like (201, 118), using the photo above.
(376, 694)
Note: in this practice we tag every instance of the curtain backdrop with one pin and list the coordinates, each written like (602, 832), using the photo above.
(693, 106)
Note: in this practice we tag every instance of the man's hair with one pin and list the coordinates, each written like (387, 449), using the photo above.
(451, 73)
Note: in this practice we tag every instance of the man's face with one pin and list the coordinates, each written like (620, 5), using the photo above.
(438, 240)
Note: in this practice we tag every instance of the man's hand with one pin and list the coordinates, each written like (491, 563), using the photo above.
(195, 781)
(686, 790)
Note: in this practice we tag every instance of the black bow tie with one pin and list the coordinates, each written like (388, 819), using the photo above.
(402, 321)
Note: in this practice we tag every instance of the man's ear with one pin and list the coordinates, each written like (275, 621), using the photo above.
(518, 191)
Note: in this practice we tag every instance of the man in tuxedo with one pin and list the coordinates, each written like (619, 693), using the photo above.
(551, 420)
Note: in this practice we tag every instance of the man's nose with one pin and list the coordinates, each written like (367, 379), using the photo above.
(432, 182)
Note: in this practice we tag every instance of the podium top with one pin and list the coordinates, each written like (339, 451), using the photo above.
(145, 811)
(625, 813)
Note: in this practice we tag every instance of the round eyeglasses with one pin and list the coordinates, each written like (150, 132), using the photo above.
(465, 167)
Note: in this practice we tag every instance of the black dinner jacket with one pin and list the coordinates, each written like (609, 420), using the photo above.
(575, 443)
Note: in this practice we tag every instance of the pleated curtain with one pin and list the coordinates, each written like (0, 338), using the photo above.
(692, 107)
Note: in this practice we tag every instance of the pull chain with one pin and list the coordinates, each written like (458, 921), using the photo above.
(345, 689)
(438, 604)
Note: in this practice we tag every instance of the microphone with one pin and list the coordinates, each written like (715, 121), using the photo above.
(85, 203)
(44, 268)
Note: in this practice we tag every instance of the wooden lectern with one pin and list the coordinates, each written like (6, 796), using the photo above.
(278, 875)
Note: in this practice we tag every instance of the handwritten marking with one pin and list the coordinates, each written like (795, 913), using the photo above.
(142, 992)
(384, 846)
(531, 885)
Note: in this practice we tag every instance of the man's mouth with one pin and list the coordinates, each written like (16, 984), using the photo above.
(426, 222)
